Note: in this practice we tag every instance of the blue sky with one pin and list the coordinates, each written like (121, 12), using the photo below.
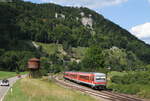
(133, 15)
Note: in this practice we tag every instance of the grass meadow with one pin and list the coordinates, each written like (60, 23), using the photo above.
(43, 90)
(6, 74)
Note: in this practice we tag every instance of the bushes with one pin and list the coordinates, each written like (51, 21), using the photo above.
(116, 79)
(137, 78)
(128, 89)
(136, 89)
(144, 92)
(132, 83)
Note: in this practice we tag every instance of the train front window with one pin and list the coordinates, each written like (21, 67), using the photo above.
(100, 78)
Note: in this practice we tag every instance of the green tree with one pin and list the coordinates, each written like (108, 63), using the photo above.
(93, 59)
(115, 59)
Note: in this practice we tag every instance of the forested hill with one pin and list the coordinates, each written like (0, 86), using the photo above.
(70, 26)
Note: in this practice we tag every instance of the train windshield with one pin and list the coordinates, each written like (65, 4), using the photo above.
(99, 78)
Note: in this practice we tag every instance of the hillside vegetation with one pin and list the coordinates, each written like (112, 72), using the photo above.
(51, 23)
(15, 50)
(74, 39)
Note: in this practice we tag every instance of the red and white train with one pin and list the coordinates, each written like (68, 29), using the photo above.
(95, 80)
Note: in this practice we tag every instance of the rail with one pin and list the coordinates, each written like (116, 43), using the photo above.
(101, 94)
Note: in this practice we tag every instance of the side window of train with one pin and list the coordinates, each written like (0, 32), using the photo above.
(84, 77)
(73, 75)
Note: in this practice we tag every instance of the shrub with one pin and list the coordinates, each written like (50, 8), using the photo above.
(132, 83)
(116, 79)
(138, 78)
(128, 89)
(144, 93)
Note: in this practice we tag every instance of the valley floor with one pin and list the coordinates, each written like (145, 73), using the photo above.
(43, 90)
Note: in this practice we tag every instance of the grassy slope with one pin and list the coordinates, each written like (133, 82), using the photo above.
(78, 52)
(115, 73)
(43, 90)
(4, 74)
(50, 48)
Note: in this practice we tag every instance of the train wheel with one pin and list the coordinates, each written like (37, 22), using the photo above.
(93, 87)
(104, 88)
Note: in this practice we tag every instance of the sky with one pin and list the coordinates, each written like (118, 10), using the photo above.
(132, 15)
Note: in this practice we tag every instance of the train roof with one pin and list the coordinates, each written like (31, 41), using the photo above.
(87, 72)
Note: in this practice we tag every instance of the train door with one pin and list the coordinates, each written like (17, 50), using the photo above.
(92, 79)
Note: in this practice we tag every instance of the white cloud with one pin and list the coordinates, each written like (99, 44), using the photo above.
(146, 40)
(87, 3)
(141, 31)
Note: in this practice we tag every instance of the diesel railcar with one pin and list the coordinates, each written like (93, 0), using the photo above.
(93, 79)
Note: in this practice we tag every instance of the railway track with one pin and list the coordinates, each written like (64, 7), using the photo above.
(101, 94)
